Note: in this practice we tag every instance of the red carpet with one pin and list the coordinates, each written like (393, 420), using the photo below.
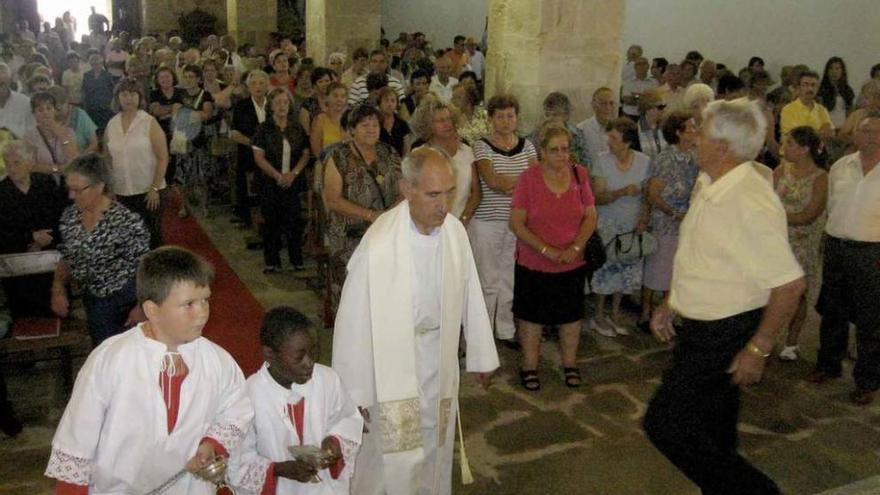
(235, 313)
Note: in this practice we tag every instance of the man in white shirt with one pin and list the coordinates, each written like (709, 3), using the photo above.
(604, 110)
(478, 60)
(736, 283)
(411, 287)
(378, 65)
(442, 82)
(851, 274)
(15, 108)
(634, 88)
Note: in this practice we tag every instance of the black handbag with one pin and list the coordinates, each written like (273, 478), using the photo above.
(594, 251)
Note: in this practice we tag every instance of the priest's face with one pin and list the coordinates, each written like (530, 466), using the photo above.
(294, 360)
(431, 195)
(180, 318)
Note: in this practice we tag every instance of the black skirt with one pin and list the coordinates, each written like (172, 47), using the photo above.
(548, 298)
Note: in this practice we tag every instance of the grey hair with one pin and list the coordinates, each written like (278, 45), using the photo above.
(423, 118)
(21, 149)
(557, 102)
(336, 56)
(414, 162)
(740, 123)
(698, 91)
(255, 74)
(4, 67)
(93, 167)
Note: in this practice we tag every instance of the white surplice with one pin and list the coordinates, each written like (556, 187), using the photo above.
(328, 411)
(395, 345)
(114, 436)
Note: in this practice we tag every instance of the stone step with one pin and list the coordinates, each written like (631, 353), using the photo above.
(867, 486)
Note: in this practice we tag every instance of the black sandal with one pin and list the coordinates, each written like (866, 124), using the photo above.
(529, 380)
(572, 377)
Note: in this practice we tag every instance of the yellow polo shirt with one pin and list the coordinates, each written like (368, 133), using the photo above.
(796, 114)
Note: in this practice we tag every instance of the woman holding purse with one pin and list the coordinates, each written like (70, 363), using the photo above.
(617, 179)
(552, 215)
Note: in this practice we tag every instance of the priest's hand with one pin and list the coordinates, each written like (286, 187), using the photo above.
(366, 415)
(485, 379)
(204, 455)
(296, 470)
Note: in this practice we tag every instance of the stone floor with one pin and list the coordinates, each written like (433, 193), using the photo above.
(808, 438)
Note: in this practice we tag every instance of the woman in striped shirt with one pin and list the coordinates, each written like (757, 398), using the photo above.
(501, 158)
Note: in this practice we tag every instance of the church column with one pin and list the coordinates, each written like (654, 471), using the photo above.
(341, 25)
(159, 16)
(251, 21)
(539, 46)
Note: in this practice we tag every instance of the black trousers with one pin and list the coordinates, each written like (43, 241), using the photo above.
(692, 417)
(243, 203)
(850, 294)
(152, 218)
(283, 218)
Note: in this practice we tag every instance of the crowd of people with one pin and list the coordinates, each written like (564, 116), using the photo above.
(693, 180)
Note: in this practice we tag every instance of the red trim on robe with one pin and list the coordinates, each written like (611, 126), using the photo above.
(170, 386)
(297, 413)
(271, 483)
(336, 468)
(65, 488)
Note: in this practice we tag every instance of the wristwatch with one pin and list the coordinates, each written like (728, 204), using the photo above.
(154, 189)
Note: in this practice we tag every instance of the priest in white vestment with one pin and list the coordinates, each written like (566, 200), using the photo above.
(298, 402)
(411, 287)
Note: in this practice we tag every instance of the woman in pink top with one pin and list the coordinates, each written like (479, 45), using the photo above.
(553, 214)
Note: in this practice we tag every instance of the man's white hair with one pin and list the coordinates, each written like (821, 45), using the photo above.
(414, 162)
(256, 74)
(740, 123)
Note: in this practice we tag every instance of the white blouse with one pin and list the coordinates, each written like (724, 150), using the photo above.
(132, 157)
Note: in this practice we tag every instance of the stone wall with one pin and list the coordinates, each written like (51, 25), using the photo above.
(539, 46)
(162, 15)
(341, 25)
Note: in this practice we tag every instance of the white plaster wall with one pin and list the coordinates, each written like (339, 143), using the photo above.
(728, 31)
(440, 20)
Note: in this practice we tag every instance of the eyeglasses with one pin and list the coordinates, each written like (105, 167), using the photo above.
(78, 190)
(560, 149)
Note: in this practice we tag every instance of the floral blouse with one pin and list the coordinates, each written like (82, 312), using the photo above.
(104, 260)
(678, 170)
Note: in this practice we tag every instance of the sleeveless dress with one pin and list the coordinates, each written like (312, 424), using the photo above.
(795, 194)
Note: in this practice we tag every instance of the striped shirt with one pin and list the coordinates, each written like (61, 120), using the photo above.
(358, 91)
(495, 206)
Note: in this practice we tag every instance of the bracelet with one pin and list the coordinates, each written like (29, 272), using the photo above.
(544, 250)
(154, 189)
(756, 350)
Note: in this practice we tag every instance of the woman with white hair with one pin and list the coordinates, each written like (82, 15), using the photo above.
(696, 98)
(336, 63)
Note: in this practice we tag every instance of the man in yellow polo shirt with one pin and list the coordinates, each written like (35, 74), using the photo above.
(805, 110)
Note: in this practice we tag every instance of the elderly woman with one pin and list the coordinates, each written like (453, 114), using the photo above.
(30, 205)
(617, 179)
(671, 178)
(55, 142)
(557, 109)
(434, 125)
(281, 77)
(651, 140)
(393, 130)
(327, 125)
(139, 156)
(696, 98)
(281, 152)
(164, 101)
(195, 167)
(474, 120)
(336, 63)
(501, 158)
(552, 216)
(871, 94)
(247, 115)
(139, 65)
(320, 78)
(74, 117)
(360, 182)
(101, 242)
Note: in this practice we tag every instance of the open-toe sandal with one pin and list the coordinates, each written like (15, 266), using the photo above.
(529, 380)
(572, 377)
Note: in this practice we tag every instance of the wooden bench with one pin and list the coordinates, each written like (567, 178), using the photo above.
(72, 341)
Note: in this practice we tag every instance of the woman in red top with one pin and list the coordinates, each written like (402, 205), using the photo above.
(553, 214)
(281, 77)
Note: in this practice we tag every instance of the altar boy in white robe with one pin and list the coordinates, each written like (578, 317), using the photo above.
(297, 402)
(411, 286)
(156, 398)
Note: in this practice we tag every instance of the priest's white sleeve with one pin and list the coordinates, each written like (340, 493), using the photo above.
(346, 424)
(75, 443)
(481, 353)
(235, 412)
(352, 333)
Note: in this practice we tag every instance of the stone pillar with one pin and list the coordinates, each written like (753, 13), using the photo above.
(251, 21)
(341, 25)
(539, 46)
